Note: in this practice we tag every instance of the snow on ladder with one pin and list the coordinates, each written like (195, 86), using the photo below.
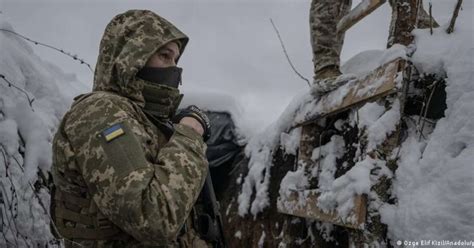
(382, 82)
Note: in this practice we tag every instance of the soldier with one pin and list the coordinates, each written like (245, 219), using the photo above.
(124, 175)
(327, 43)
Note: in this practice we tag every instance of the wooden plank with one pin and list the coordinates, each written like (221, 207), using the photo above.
(304, 203)
(309, 140)
(358, 13)
(308, 208)
(380, 83)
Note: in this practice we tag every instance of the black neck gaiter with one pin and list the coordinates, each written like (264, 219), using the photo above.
(169, 76)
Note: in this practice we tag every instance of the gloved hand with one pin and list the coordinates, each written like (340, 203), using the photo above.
(194, 112)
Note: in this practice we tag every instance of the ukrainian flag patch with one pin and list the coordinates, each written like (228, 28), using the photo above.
(113, 132)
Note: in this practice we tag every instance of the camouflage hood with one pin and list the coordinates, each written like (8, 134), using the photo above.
(129, 40)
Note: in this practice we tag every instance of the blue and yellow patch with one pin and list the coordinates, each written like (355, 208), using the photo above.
(113, 132)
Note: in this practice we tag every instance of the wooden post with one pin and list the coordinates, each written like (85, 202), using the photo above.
(453, 19)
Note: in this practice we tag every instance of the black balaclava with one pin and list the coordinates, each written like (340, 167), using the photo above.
(169, 76)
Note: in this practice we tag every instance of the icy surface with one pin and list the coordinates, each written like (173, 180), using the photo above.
(25, 138)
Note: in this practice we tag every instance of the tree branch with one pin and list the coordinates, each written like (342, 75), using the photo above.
(286, 54)
(453, 19)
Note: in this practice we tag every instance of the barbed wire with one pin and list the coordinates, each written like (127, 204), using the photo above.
(75, 57)
(40, 202)
(15, 231)
(10, 84)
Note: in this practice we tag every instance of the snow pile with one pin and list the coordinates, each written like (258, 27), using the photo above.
(363, 63)
(34, 95)
(435, 179)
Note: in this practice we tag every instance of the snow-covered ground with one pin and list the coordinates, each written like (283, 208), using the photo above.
(25, 138)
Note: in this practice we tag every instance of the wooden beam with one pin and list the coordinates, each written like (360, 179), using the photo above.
(305, 204)
(380, 83)
(358, 13)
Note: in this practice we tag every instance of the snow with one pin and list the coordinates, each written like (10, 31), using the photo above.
(303, 106)
(290, 141)
(367, 61)
(260, 149)
(382, 125)
(327, 155)
(435, 179)
(261, 241)
(25, 137)
(238, 234)
(293, 181)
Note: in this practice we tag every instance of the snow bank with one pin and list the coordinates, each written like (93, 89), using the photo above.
(25, 137)
(435, 179)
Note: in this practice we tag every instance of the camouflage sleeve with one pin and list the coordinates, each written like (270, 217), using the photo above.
(149, 198)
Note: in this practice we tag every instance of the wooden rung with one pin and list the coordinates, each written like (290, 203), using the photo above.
(358, 13)
(381, 82)
(308, 208)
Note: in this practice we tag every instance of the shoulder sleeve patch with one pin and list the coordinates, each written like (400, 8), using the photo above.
(113, 132)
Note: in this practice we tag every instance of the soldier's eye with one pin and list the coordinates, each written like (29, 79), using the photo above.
(164, 56)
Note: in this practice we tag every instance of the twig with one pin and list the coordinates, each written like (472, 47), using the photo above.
(286, 54)
(453, 19)
(427, 107)
(10, 84)
(431, 20)
(51, 47)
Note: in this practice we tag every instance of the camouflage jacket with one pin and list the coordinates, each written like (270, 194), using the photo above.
(118, 181)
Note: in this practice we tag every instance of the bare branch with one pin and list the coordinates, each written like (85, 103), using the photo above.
(431, 20)
(286, 54)
(453, 19)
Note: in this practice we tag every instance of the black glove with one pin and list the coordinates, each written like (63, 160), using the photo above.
(196, 113)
